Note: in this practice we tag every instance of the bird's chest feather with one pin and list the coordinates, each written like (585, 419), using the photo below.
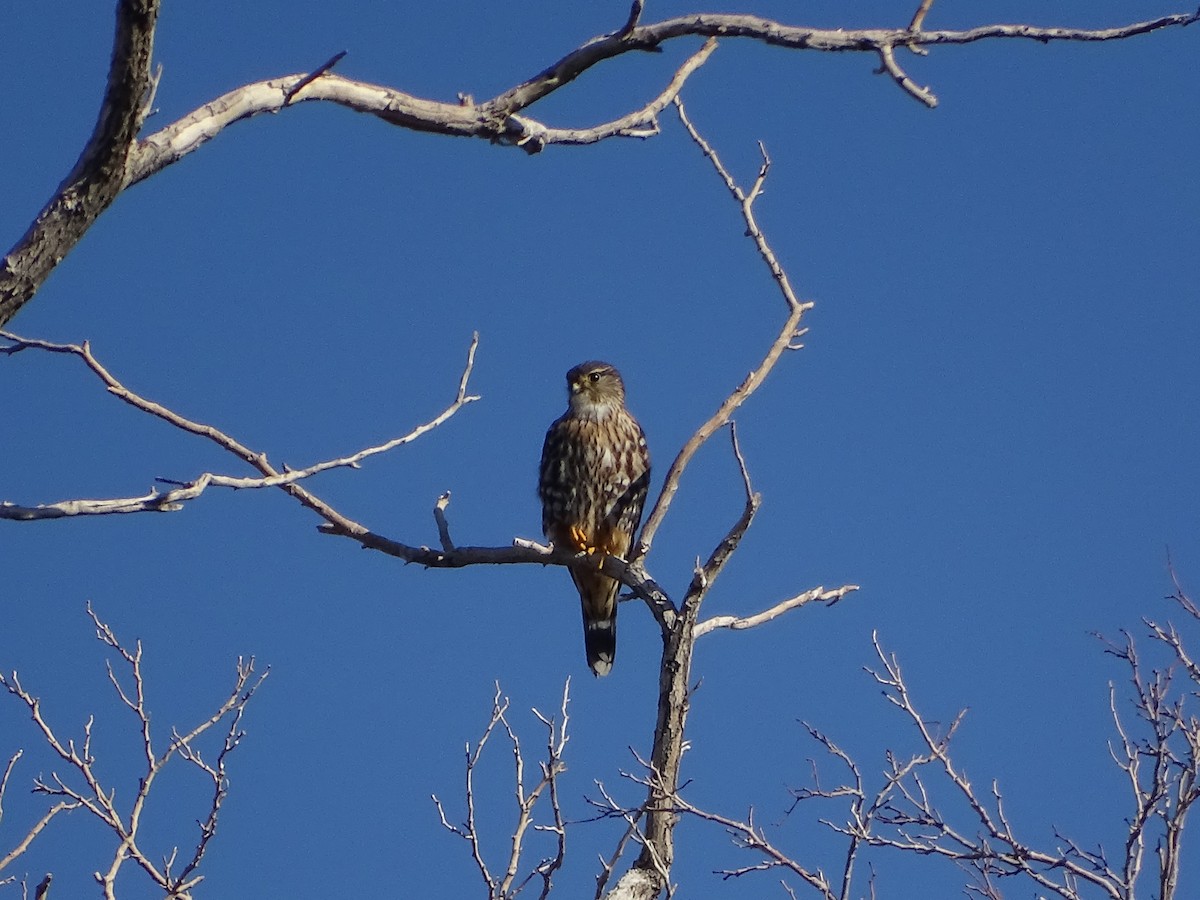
(593, 455)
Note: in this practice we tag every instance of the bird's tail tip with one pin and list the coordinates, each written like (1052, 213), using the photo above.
(600, 640)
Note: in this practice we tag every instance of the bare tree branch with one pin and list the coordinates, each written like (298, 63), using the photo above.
(499, 119)
(887, 56)
(788, 333)
(650, 874)
(505, 886)
(737, 623)
(36, 829)
(101, 801)
(633, 831)
(101, 171)
(635, 16)
(918, 18)
(522, 551)
(1157, 749)
(750, 836)
(114, 158)
(173, 500)
(313, 76)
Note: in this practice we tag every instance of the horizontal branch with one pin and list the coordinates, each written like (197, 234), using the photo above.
(172, 501)
(522, 552)
(793, 37)
(460, 119)
(498, 119)
(634, 575)
(114, 158)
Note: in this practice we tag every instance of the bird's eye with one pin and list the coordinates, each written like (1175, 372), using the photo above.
(594, 377)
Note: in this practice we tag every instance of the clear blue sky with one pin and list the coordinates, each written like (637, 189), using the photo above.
(993, 427)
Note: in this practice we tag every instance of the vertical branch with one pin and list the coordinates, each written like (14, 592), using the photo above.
(653, 864)
(505, 886)
(788, 334)
(100, 173)
(918, 18)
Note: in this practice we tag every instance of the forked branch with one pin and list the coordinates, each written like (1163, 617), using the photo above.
(185, 491)
(447, 556)
(788, 334)
(650, 874)
(1157, 750)
(505, 885)
(81, 785)
(114, 157)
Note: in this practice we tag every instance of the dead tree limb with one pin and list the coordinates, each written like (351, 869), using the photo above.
(114, 157)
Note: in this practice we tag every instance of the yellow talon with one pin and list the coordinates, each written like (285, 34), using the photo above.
(580, 539)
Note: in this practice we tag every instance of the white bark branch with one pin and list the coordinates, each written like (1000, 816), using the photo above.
(503, 886)
(114, 158)
(174, 499)
(500, 118)
(783, 342)
(522, 551)
(739, 623)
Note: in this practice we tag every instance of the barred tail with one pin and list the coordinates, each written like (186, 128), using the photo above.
(600, 641)
(598, 597)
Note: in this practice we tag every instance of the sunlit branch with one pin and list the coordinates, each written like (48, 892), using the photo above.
(36, 829)
(650, 874)
(501, 118)
(174, 499)
(521, 551)
(739, 623)
(114, 158)
(918, 18)
(746, 834)
(631, 817)
(887, 57)
(789, 332)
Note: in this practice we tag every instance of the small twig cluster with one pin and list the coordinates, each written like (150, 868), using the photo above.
(80, 786)
(1157, 748)
(502, 885)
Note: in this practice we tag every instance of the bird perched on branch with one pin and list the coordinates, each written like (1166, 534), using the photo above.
(593, 480)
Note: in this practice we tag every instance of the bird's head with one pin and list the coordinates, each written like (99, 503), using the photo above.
(595, 389)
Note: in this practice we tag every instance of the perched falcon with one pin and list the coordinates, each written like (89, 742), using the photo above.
(593, 479)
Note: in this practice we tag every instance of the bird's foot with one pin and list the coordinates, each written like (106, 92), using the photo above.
(580, 539)
(584, 545)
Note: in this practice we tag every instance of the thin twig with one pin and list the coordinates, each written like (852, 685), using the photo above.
(918, 18)
(100, 801)
(312, 76)
(505, 885)
(635, 16)
(739, 623)
(751, 383)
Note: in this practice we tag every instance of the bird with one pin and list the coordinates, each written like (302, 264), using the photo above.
(592, 481)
